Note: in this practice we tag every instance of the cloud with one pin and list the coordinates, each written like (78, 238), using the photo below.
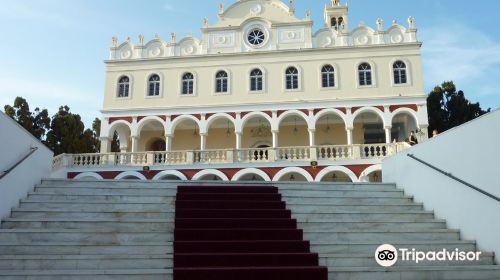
(469, 57)
(86, 103)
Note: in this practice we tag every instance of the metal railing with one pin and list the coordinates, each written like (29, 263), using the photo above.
(6, 172)
(448, 174)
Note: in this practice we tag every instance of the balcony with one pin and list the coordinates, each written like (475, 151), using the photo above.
(324, 155)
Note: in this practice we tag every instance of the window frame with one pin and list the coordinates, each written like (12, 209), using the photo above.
(298, 75)
(160, 85)
(373, 75)
(194, 84)
(118, 83)
(408, 72)
(249, 80)
(335, 77)
(216, 80)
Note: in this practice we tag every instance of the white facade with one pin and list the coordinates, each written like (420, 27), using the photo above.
(17, 143)
(468, 152)
(260, 78)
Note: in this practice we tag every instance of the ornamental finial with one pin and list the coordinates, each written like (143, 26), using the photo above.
(114, 42)
(174, 37)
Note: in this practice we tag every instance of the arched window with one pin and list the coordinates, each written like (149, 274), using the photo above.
(154, 85)
(187, 84)
(221, 82)
(400, 76)
(256, 80)
(328, 76)
(123, 86)
(365, 74)
(292, 78)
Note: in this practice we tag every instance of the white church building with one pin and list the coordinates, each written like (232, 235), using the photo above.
(260, 96)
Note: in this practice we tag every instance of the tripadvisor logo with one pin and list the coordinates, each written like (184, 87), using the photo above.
(387, 255)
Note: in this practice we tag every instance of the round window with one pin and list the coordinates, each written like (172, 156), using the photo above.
(256, 37)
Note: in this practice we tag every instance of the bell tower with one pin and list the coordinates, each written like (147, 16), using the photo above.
(336, 16)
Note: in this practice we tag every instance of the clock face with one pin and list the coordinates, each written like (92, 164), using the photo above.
(256, 37)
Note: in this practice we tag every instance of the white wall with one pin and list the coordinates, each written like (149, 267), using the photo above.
(15, 143)
(471, 153)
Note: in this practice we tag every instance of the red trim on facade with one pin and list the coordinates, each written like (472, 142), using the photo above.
(229, 172)
(269, 113)
(127, 119)
(244, 114)
(316, 111)
(281, 112)
(140, 118)
(173, 117)
(343, 110)
(207, 116)
(305, 111)
(232, 114)
(354, 109)
(414, 107)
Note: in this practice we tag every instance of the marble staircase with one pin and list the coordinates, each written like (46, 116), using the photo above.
(124, 230)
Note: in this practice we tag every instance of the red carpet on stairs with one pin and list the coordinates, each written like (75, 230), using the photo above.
(239, 233)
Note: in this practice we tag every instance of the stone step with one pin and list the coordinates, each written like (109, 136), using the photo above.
(479, 272)
(149, 187)
(99, 224)
(414, 216)
(363, 247)
(100, 198)
(45, 213)
(95, 206)
(381, 237)
(352, 260)
(79, 248)
(82, 262)
(340, 193)
(347, 200)
(360, 199)
(120, 274)
(376, 226)
(91, 237)
(105, 190)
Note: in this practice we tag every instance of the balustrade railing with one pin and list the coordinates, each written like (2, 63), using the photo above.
(253, 155)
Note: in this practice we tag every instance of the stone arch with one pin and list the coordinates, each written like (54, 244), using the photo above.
(329, 111)
(342, 169)
(252, 115)
(402, 136)
(146, 120)
(374, 110)
(250, 171)
(127, 174)
(364, 175)
(288, 170)
(115, 125)
(88, 175)
(218, 116)
(180, 119)
(297, 113)
(175, 173)
(214, 172)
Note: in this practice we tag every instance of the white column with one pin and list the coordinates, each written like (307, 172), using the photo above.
(203, 144)
(135, 144)
(105, 145)
(275, 139)
(349, 136)
(312, 137)
(388, 134)
(168, 143)
(238, 140)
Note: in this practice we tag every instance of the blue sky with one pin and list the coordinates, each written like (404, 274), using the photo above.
(52, 51)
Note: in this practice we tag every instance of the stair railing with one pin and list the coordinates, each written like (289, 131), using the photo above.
(449, 175)
(6, 172)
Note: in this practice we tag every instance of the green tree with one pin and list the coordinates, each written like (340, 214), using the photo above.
(449, 108)
(37, 122)
(68, 134)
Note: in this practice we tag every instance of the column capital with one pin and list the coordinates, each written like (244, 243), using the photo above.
(203, 134)
(311, 129)
(388, 127)
(349, 128)
(169, 135)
